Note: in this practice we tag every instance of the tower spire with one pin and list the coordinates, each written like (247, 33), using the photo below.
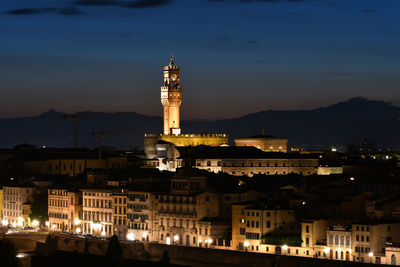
(171, 60)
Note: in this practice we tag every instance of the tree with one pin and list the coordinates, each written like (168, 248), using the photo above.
(165, 259)
(114, 249)
(39, 207)
(8, 254)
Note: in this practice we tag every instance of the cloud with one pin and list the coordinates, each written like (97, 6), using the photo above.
(67, 11)
(148, 3)
(30, 11)
(97, 2)
(70, 11)
(270, 1)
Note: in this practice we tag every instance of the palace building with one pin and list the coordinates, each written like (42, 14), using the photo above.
(171, 99)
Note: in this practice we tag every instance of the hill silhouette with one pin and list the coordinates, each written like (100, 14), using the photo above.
(337, 125)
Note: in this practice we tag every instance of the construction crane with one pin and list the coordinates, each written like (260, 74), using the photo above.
(100, 135)
(76, 117)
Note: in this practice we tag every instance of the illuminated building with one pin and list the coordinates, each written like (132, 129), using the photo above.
(14, 197)
(171, 99)
(264, 142)
(98, 212)
(339, 243)
(142, 218)
(64, 209)
(372, 237)
(251, 221)
(246, 160)
(1, 204)
(120, 214)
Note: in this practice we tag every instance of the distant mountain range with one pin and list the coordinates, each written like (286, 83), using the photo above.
(337, 125)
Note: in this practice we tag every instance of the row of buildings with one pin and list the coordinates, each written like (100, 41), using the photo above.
(192, 208)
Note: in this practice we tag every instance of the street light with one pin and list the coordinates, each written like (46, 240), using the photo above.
(370, 255)
(285, 247)
(168, 240)
(78, 230)
(246, 244)
(35, 223)
(176, 238)
(326, 251)
(130, 236)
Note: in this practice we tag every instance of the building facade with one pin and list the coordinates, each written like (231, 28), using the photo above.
(98, 212)
(65, 210)
(14, 197)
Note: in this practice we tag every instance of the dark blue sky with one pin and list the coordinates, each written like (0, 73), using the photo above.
(236, 56)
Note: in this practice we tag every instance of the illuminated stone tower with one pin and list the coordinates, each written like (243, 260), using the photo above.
(171, 98)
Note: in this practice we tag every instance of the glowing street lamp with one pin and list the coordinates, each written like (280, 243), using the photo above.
(144, 235)
(103, 233)
(176, 238)
(168, 240)
(370, 255)
(35, 223)
(78, 230)
(4, 222)
(326, 251)
(54, 226)
(47, 223)
(246, 244)
(77, 221)
(20, 221)
(131, 236)
(14, 224)
(210, 241)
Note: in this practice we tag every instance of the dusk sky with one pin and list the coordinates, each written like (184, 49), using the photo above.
(236, 57)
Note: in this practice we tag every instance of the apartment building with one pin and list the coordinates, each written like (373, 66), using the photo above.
(98, 212)
(65, 209)
(250, 221)
(14, 197)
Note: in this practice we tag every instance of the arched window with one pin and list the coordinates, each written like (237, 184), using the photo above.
(336, 240)
(342, 240)
(393, 259)
(331, 240)
(208, 163)
(347, 241)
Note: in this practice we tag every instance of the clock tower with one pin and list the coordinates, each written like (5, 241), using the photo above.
(171, 98)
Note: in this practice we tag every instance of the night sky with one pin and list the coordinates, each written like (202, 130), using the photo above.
(236, 57)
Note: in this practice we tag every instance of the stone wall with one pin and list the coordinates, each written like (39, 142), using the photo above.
(198, 257)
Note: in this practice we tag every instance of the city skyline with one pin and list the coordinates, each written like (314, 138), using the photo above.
(106, 56)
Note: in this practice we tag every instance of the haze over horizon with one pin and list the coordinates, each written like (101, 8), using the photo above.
(198, 119)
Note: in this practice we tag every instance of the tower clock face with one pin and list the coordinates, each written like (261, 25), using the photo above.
(173, 77)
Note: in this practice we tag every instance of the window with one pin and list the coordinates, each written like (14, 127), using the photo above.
(331, 240)
(336, 240)
(307, 229)
(342, 240)
(307, 241)
(268, 224)
(367, 238)
(242, 231)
